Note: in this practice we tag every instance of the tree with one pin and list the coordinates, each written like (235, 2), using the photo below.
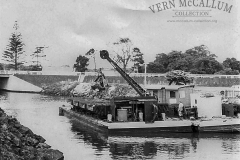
(38, 53)
(81, 64)
(197, 60)
(154, 67)
(173, 58)
(179, 77)
(207, 66)
(162, 59)
(171, 61)
(14, 50)
(1, 66)
(200, 52)
(179, 64)
(196, 54)
(138, 60)
(125, 52)
(159, 65)
(232, 63)
(228, 71)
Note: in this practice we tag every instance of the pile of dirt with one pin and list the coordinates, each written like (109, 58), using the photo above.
(115, 90)
(63, 88)
(18, 142)
(85, 90)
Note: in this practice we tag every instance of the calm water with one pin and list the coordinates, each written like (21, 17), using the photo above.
(40, 114)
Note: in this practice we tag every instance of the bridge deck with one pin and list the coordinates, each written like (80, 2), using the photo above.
(5, 75)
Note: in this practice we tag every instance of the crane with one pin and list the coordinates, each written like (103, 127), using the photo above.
(142, 92)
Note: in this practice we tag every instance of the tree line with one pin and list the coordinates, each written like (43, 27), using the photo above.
(196, 60)
(124, 53)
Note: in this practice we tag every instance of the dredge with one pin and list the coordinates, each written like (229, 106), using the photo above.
(143, 114)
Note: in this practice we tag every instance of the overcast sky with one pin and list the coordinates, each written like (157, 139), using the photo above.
(72, 27)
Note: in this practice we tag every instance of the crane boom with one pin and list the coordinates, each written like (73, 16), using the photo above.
(105, 55)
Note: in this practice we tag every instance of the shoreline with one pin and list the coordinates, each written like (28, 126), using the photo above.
(19, 142)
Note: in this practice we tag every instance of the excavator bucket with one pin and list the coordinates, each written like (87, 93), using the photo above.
(104, 54)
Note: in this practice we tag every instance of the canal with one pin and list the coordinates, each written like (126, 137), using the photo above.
(40, 114)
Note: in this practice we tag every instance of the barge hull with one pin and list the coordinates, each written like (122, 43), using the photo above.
(235, 128)
(147, 131)
(84, 120)
(124, 128)
(202, 128)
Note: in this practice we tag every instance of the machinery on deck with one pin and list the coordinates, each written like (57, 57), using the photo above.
(142, 108)
(142, 92)
(99, 81)
(151, 111)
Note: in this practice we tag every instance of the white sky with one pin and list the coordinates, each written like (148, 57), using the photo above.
(72, 27)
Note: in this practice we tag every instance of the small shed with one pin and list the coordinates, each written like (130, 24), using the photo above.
(171, 94)
(184, 94)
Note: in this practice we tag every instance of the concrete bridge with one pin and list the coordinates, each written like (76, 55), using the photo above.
(10, 82)
(33, 81)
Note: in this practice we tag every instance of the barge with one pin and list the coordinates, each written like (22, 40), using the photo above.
(116, 123)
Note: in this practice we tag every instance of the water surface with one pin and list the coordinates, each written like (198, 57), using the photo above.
(40, 114)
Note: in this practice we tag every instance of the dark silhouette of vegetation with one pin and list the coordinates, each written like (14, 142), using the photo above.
(197, 60)
(232, 65)
(38, 53)
(14, 50)
(138, 60)
(126, 52)
(81, 64)
(228, 71)
(1, 66)
(155, 67)
(206, 66)
(179, 77)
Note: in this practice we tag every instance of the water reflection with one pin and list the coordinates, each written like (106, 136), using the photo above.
(146, 150)
(167, 146)
(40, 113)
(151, 147)
(98, 140)
(231, 146)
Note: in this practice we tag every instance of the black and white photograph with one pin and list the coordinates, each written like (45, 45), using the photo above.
(119, 79)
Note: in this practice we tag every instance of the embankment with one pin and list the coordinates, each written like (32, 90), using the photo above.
(43, 80)
(18, 142)
(62, 85)
(207, 81)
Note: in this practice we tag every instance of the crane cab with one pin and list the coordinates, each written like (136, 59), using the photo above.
(133, 109)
